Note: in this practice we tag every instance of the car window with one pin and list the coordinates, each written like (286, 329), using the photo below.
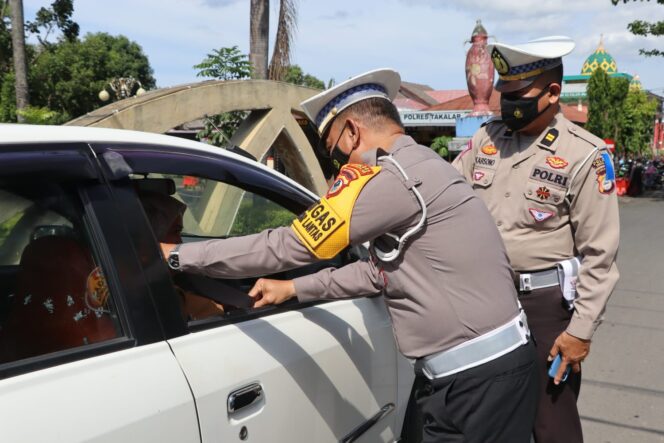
(215, 209)
(53, 292)
(185, 208)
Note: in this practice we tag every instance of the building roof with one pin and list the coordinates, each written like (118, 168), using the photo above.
(409, 104)
(447, 94)
(417, 92)
(464, 103)
(599, 59)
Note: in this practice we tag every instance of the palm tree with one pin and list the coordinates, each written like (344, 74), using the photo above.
(18, 47)
(281, 55)
(259, 34)
(259, 30)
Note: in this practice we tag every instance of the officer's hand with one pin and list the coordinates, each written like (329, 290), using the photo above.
(271, 292)
(166, 249)
(573, 351)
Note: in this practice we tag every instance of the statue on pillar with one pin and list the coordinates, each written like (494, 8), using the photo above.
(479, 71)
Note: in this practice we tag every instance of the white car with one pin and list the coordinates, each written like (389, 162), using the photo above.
(97, 342)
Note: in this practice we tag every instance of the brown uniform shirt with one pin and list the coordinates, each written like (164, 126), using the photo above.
(451, 283)
(550, 201)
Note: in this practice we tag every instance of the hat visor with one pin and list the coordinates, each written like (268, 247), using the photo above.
(513, 85)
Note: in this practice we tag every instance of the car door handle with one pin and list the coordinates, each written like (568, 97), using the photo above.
(245, 396)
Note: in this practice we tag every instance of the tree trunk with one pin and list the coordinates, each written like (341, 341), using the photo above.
(281, 55)
(259, 27)
(18, 46)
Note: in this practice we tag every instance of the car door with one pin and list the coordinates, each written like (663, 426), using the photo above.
(321, 371)
(82, 350)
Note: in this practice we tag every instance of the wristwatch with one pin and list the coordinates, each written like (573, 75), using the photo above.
(174, 258)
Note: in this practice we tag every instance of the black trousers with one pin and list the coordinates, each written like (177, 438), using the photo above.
(494, 402)
(557, 415)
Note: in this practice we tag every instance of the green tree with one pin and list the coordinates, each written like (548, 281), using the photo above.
(637, 122)
(598, 103)
(65, 73)
(606, 96)
(644, 28)
(294, 74)
(618, 89)
(223, 64)
(67, 77)
(49, 20)
(439, 144)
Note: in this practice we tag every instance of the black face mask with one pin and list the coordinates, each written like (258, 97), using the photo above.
(519, 112)
(339, 158)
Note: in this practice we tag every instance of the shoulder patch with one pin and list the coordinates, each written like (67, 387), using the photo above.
(324, 229)
(605, 174)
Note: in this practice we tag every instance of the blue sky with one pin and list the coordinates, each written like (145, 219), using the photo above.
(422, 39)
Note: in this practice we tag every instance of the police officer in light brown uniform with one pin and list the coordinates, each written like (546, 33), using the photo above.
(436, 257)
(549, 185)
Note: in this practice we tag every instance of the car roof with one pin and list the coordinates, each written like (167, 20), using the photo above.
(13, 134)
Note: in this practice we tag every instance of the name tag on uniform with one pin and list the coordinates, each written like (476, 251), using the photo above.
(553, 178)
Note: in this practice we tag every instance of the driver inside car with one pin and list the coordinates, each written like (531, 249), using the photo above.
(165, 214)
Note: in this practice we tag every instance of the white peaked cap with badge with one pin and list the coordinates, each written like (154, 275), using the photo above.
(322, 108)
(519, 65)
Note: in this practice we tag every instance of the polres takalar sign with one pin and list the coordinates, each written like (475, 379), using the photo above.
(431, 118)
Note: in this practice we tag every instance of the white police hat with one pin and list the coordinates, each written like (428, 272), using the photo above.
(322, 108)
(519, 65)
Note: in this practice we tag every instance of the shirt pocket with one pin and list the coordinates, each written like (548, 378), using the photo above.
(544, 194)
(482, 178)
(545, 206)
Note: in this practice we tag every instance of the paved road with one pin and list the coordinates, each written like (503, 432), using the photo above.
(622, 396)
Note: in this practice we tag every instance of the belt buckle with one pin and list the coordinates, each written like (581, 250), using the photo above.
(525, 282)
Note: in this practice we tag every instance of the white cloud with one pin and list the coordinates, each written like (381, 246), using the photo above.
(423, 39)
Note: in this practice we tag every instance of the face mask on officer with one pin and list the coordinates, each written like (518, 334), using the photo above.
(338, 157)
(518, 112)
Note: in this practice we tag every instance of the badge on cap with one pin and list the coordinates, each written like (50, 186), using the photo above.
(499, 62)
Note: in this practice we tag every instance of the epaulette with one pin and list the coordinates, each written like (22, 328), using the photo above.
(494, 119)
(588, 137)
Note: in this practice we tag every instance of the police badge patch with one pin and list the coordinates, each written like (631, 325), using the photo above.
(605, 174)
(556, 162)
(543, 193)
(324, 229)
(489, 150)
(540, 215)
